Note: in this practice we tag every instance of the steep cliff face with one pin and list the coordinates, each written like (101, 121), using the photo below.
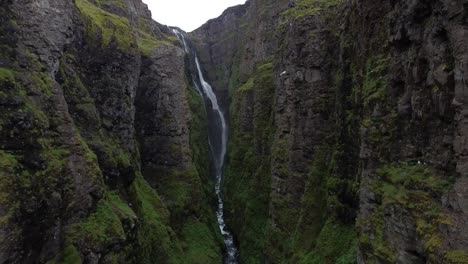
(102, 139)
(413, 190)
(284, 136)
(348, 133)
(347, 129)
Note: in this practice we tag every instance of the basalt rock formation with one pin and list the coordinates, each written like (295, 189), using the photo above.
(348, 140)
(347, 119)
(104, 153)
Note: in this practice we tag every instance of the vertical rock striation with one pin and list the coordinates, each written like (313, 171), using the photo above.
(103, 142)
(351, 112)
(348, 133)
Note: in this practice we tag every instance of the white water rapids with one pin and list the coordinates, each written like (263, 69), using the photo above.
(218, 155)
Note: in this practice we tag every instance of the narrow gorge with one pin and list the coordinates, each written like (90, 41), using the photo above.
(218, 137)
(283, 131)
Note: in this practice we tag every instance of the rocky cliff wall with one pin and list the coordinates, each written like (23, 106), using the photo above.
(347, 118)
(102, 139)
(351, 112)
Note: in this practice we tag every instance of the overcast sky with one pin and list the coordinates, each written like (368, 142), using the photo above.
(188, 14)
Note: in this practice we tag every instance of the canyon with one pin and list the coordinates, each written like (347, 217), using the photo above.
(283, 131)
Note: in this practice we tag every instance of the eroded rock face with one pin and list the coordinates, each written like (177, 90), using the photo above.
(367, 124)
(94, 97)
(348, 133)
(39, 202)
(164, 115)
(422, 83)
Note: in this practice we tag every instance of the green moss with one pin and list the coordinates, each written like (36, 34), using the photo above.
(7, 162)
(71, 255)
(200, 244)
(406, 182)
(335, 244)
(103, 26)
(318, 238)
(457, 257)
(8, 166)
(306, 8)
(7, 75)
(247, 177)
(55, 156)
(144, 25)
(149, 204)
(74, 89)
(119, 206)
(155, 239)
(417, 188)
(148, 40)
(182, 192)
(247, 86)
(7, 85)
(199, 134)
(342, 185)
(374, 87)
(148, 43)
(383, 129)
(376, 243)
(112, 3)
(313, 206)
(111, 153)
(43, 81)
(104, 227)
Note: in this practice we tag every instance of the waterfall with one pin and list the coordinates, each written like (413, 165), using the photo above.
(218, 150)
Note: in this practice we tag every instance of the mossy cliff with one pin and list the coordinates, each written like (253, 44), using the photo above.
(347, 137)
(96, 166)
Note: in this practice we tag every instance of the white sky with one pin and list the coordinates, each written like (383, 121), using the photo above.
(188, 14)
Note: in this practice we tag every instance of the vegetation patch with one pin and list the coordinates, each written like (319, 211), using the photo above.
(199, 135)
(374, 88)
(71, 255)
(112, 3)
(200, 243)
(408, 183)
(148, 43)
(182, 194)
(457, 257)
(247, 177)
(8, 167)
(413, 187)
(335, 244)
(307, 8)
(154, 239)
(247, 86)
(7, 75)
(104, 227)
(104, 27)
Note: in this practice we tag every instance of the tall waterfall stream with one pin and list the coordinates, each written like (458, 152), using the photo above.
(218, 146)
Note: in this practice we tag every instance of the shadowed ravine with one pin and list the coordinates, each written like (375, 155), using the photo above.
(218, 143)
